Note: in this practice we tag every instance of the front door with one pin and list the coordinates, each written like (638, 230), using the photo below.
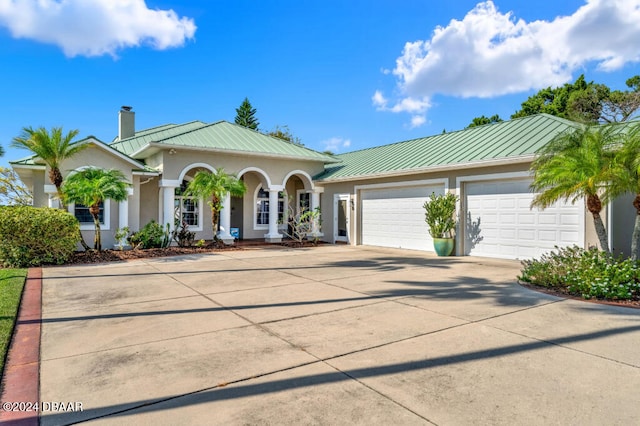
(341, 213)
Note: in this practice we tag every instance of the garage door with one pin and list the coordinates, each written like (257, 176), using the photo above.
(394, 217)
(500, 222)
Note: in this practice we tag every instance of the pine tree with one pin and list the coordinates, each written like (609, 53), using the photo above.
(246, 115)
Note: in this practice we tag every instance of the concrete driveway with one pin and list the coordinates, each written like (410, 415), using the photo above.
(330, 335)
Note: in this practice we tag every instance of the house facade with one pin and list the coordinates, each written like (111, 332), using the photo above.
(369, 197)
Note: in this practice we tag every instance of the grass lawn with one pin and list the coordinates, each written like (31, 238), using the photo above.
(11, 284)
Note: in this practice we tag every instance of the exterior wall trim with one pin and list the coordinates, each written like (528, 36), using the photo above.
(302, 173)
(192, 166)
(424, 170)
(257, 170)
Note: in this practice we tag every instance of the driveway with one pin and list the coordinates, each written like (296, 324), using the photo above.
(330, 335)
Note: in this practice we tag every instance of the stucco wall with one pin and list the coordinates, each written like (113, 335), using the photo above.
(149, 207)
(276, 169)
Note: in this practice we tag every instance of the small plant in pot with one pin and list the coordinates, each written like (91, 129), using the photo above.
(439, 212)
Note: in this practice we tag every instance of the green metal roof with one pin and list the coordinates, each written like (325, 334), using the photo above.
(500, 141)
(142, 138)
(220, 136)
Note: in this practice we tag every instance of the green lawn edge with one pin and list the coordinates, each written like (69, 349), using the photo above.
(11, 285)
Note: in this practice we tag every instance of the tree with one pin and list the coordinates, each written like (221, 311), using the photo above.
(246, 115)
(93, 186)
(52, 148)
(12, 191)
(215, 185)
(585, 102)
(283, 132)
(551, 101)
(1, 151)
(482, 120)
(585, 105)
(626, 178)
(622, 106)
(573, 165)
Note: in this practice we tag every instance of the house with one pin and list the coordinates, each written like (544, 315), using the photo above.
(371, 197)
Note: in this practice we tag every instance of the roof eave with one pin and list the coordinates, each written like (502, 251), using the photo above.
(17, 165)
(158, 145)
(434, 169)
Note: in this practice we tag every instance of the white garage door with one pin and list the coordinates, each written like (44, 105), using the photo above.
(500, 222)
(394, 217)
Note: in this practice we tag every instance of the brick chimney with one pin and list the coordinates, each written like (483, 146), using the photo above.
(126, 123)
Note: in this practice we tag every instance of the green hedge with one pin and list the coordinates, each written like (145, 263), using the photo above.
(587, 273)
(31, 236)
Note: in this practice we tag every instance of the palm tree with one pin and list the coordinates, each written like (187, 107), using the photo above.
(93, 186)
(573, 165)
(216, 185)
(626, 178)
(52, 148)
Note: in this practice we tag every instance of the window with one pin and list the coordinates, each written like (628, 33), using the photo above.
(86, 220)
(187, 209)
(304, 203)
(81, 213)
(262, 207)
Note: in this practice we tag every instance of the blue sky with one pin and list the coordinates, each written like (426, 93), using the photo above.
(343, 75)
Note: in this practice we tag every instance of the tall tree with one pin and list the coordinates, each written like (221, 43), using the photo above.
(573, 165)
(551, 101)
(284, 133)
(1, 151)
(216, 186)
(12, 191)
(482, 120)
(93, 186)
(52, 148)
(246, 115)
(626, 178)
(585, 102)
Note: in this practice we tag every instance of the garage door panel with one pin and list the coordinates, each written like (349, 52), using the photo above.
(394, 217)
(508, 227)
(526, 235)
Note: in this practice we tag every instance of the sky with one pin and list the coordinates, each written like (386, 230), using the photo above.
(342, 75)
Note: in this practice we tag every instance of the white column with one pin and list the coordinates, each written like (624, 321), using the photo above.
(315, 203)
(168, 206)
(52, 194)
(123, 213)
(273, 236)
(225, 221)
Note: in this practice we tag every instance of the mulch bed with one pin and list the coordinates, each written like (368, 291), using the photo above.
(124, 255)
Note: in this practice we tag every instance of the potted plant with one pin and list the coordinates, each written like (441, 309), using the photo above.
(439, 212)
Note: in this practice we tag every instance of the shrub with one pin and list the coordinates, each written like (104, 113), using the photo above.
(32, 236)
(183, 236)
(587, 273)
(439, 213)
(151, 236)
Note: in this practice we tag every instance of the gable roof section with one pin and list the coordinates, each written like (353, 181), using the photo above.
(142, 138)
(518, 139)
(137, 166)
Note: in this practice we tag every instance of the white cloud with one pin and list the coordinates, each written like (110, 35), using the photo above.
(489, 53)
(336, 144)
(95, 27)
